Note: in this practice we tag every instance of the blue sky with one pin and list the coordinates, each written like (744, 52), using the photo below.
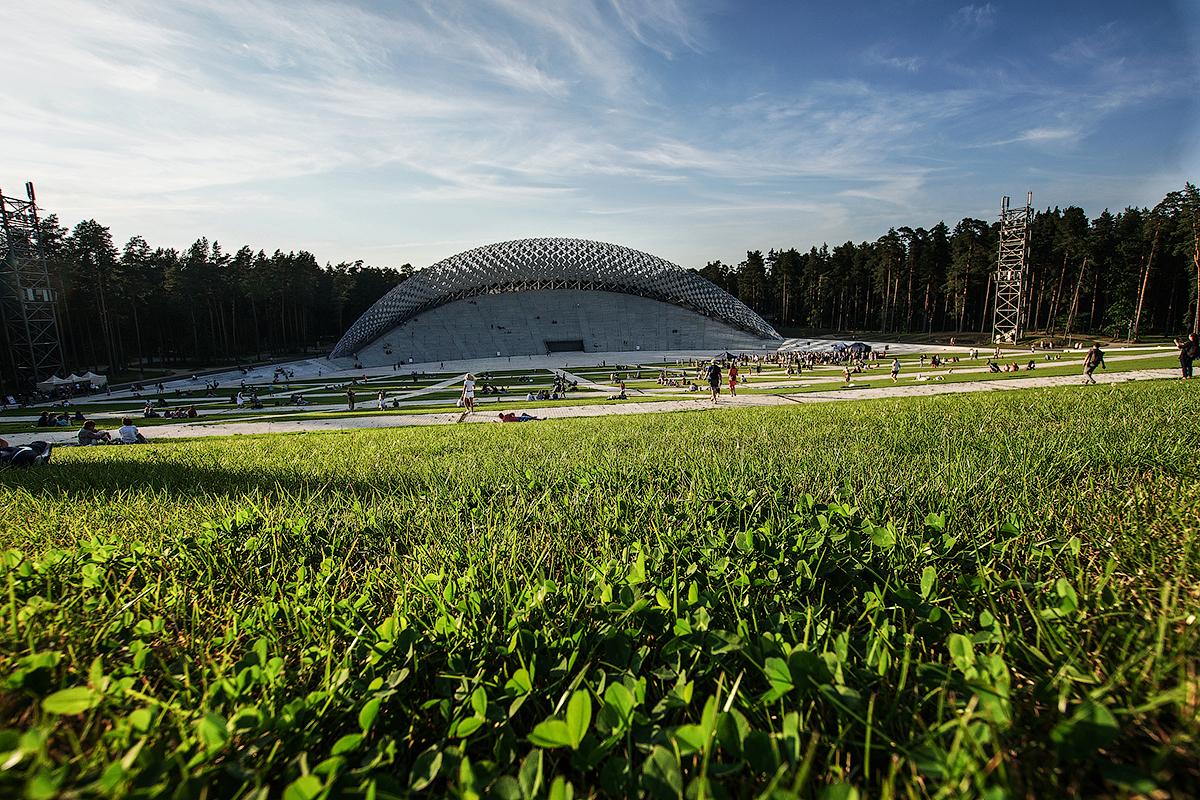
(408, 131)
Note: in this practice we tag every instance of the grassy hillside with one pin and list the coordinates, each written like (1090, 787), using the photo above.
(966, 595)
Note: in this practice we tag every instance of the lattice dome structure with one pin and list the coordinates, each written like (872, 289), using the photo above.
(555, 265)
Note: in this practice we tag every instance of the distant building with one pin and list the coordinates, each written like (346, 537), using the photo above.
(537, 296)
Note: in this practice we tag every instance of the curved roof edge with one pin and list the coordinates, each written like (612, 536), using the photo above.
(549, 263)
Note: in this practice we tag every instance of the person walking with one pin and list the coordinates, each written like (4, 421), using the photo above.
(1094, 358)
(1189, 351)
(733, 380)
(468, 394)
(713, 373)
(380, 398)
(350, 399)
(895, 369)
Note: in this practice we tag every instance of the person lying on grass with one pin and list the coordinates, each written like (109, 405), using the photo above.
(26, 455)
(509, 416)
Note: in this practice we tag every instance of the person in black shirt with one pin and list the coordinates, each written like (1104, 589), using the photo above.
(1094, 358)
(713, 373)
(1189, 351)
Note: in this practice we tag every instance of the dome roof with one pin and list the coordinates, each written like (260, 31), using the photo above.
(528, 264)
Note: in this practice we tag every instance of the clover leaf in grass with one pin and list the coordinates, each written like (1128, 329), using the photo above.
(75, 700)
(1090, 727)
(554, 732)
(306, 787)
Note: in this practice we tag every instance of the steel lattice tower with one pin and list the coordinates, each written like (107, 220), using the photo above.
(26, 294)
(1011, 265)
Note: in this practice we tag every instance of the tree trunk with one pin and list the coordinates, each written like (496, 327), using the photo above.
(1062, 277)
(1196, 264)
(257, 339)
(137, 340)
(195, 333)
(1095, 301)
(1037, 306)
(895, 304)
(908, 299)
(105, 330)
(1075, 298)
(1137, 317)
(987, 302)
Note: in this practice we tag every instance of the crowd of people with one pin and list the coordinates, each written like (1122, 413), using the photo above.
(150, 412)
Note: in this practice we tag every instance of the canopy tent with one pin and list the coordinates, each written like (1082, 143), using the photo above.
(51, 383)
(860, 348)
(94, 379)
(73, 378)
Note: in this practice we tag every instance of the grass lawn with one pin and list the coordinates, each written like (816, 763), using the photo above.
(989, 595)
(882, 377)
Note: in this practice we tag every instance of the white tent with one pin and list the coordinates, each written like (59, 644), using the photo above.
(94, 379)
(73, 378)
(51, 383)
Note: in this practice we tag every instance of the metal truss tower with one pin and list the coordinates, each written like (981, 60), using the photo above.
(26, 294)
(1011, 266)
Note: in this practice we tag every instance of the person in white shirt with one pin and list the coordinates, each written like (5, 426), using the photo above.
(128, 432)
(468, 393)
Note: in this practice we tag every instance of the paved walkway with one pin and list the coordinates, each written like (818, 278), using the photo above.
(193, 429)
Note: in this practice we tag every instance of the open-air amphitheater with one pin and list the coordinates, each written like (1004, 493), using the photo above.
(569, 327)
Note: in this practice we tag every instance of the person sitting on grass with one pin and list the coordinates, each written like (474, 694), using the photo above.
(509, 416)
(44, 420)
(128, 432)
(89, 435)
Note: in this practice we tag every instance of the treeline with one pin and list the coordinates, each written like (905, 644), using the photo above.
(1124, 275)
(145, 306)
(1129, 274)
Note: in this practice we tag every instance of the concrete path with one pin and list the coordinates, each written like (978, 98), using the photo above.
(188, 430)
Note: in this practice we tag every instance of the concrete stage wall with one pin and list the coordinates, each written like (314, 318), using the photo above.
(520, 323)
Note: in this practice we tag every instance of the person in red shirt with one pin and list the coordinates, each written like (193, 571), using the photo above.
(733, 380)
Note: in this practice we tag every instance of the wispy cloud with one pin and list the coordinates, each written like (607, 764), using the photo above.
(974, 19)
(662, 25)
(881, 56)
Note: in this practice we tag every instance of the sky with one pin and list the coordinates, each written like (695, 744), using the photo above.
(404, 132)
